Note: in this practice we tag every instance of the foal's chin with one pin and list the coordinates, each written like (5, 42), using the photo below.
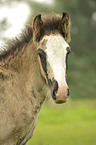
(60, 101)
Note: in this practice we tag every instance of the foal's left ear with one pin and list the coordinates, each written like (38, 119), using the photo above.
(37, 27)
(64, 24)
(65, 20)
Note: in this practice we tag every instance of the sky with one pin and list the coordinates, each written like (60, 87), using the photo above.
(17, 16)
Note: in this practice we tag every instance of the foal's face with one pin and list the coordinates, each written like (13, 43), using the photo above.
(56, 50)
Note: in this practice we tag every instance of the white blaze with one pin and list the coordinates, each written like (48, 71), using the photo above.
(56, 57)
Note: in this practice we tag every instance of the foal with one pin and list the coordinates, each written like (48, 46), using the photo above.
(32, 67)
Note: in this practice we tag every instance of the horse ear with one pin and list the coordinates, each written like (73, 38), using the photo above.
(65, 20)
(37, 27)
(37, 21)
(65, 14)
(64, 26)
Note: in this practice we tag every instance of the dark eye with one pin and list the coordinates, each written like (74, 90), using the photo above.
(42, 56)
(68, 50)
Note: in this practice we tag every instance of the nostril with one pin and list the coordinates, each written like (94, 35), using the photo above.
(54, 88)
(68, 92)
(54, 94)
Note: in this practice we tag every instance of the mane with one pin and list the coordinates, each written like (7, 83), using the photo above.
(50, 24)
(16, 43)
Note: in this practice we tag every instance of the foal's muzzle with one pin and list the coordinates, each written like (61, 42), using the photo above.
(59, 93)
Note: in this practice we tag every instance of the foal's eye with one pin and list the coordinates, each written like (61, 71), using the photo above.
(42, 56)
(68, 50)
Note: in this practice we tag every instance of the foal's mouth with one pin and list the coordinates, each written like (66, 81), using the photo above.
(60, 101)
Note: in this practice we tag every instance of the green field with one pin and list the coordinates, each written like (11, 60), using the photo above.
(73, 123)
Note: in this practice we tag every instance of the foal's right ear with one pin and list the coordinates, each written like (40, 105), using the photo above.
(37, 22)
(37, 27)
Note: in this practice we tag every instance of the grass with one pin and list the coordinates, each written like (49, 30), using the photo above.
(73, 123)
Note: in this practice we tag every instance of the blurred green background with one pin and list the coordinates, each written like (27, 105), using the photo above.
(73, 123)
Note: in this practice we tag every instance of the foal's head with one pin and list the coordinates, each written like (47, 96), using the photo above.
(52, 34)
